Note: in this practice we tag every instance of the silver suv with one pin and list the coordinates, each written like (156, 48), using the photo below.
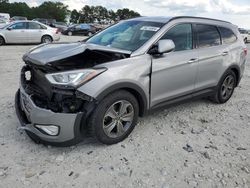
(100, 86)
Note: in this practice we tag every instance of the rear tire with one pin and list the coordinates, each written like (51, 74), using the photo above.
(90, 34)
(70, 33)
(225, 88)
(245, 40)
(47, 39)
(114, 117)
(2, 41)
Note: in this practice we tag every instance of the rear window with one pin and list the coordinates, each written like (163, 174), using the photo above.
(33, 25)
(207, 35)
(227, 35)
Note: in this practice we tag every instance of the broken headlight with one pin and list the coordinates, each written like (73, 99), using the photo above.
(73, 78)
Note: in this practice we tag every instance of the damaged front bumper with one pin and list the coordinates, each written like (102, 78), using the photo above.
(32, 118)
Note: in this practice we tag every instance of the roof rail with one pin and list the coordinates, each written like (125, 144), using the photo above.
(177, 17)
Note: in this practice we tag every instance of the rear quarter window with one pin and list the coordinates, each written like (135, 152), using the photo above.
(227, 35)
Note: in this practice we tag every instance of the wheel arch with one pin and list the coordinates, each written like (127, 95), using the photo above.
(3, 37)
(134, 89)
(236, 70)
(48, 36)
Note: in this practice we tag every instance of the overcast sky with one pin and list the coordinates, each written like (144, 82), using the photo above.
(235, 11)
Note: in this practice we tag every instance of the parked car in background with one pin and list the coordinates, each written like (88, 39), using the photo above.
(5, 16)
(98, 27)
(61, 26)
(102, 85)
(28, 32)
(80, 29)
(49, 22)
(3, 22)
(41, 20)
(17, 18)
(245, 34)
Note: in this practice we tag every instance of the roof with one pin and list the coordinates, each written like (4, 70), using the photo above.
(161, 19)
(165, 19)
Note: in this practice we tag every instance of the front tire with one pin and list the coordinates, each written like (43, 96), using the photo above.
(115, 117)
(226, 88)
(2, 41)
(245, 40)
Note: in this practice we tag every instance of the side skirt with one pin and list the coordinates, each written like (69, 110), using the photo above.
(178, 100)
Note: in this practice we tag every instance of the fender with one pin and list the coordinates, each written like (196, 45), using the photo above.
(236, 69)
(136, 90)
(3, 37)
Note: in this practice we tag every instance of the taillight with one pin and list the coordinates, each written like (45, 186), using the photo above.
(245, 51)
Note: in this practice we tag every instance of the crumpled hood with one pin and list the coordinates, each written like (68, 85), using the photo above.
(46, 53)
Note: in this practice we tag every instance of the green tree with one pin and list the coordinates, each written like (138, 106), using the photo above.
(51, 10)
(87, 14)
(100, 13)
(4, 1)
(74, 17)
(112, 16)
(126, 14)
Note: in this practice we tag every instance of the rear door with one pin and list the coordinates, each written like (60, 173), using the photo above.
(35, 32)
(17, 33)
(212, 56)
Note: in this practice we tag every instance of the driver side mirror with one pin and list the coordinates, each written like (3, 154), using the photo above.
(9, 28)
(163, 46)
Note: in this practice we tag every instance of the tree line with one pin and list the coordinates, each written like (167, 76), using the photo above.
(61, 12)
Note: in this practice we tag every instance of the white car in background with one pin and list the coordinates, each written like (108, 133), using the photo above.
(245, 35)
(3, 22)
(28, 32)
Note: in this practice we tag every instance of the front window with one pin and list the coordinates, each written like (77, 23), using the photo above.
(126, 35)
(182, 37)
(19, 25)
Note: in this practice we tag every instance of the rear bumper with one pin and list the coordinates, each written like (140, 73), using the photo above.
(30, 115)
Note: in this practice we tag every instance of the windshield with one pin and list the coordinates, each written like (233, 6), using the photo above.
(126, 35)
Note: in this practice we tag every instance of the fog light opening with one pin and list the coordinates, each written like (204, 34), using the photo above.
(51, 130)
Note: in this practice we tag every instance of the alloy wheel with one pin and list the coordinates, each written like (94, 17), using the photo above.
(47, 40)
(227, 87)
(118, 119)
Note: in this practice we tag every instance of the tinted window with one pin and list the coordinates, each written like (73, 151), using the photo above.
(227, 35)
(85, 26)
(207, 36)
(181, 35)
(20, 25)
(32, 25)
(242, 31)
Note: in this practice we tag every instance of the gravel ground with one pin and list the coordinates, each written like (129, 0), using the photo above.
(195, 144)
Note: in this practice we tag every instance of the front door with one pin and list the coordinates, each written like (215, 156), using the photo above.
(174, 73)
(17, 33)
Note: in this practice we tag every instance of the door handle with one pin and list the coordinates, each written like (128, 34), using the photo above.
(193, 60)
(224, 53)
